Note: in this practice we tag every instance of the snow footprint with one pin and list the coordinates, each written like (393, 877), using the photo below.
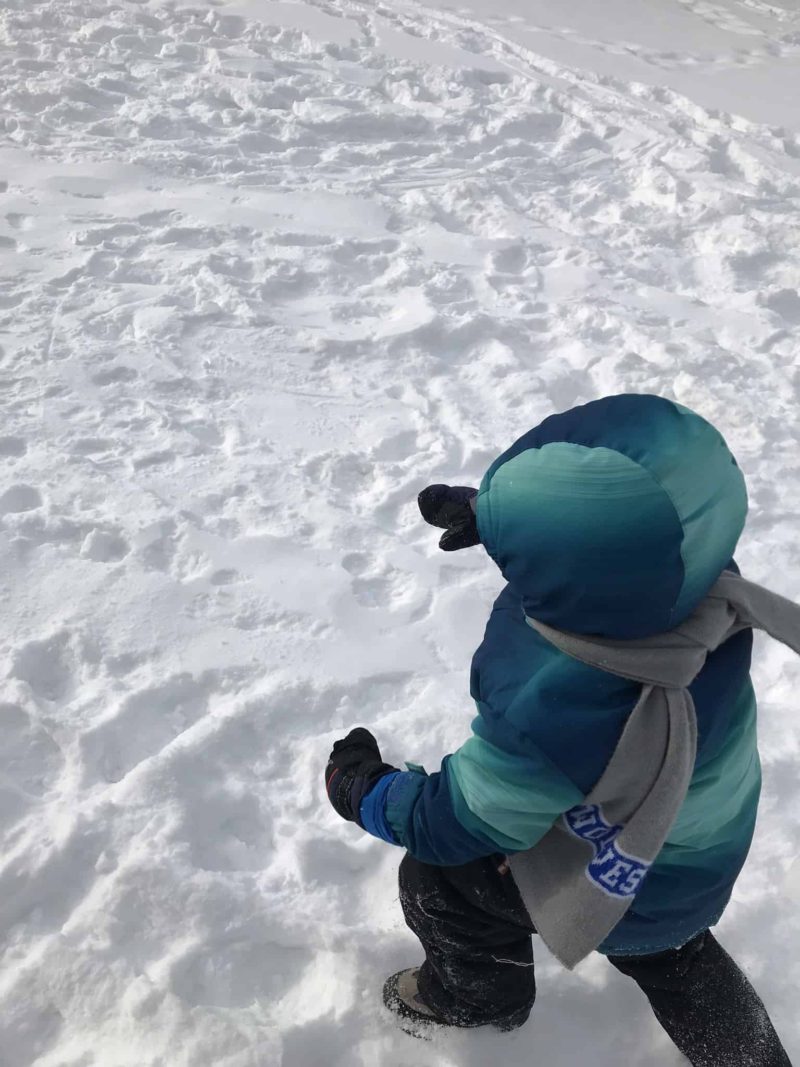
(18, 221)
(365, 261)
(376, 584)
(105, 545)
(13, 446)
(47, 666)
(223, 822)
(144, 724)
(19, 498)
(236, 972)
(115, 375)
(30, 761)
(397, 447)
(44, 887)
(371, 586)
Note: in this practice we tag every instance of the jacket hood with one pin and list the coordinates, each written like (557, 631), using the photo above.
(614, 518)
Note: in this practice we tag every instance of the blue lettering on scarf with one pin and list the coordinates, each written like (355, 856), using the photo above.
(612, 870)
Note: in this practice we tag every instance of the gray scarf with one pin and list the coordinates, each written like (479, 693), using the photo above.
(583, 875)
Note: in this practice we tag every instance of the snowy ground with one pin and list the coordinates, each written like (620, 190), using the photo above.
(266, 270)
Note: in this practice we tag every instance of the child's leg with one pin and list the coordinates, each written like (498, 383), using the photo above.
(476, 935)
(706, 1005)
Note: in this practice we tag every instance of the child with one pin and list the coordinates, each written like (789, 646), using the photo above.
(612, 524)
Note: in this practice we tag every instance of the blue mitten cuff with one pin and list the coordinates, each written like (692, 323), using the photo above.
(373, 809)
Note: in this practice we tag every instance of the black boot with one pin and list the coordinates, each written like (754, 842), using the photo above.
(402, 997)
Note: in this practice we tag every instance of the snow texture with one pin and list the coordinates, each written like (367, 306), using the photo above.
(266, 270)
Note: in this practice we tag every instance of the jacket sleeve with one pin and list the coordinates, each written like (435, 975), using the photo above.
(483, 800)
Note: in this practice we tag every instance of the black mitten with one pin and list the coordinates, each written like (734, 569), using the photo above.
(451, 508)
(354, 766)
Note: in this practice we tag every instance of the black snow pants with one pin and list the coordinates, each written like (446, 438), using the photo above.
(478, 968)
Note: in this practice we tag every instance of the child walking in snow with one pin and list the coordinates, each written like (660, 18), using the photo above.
(608, 795)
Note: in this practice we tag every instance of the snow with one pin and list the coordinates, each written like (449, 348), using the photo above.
(266, 270)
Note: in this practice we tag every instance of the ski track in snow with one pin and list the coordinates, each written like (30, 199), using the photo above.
(260, 284)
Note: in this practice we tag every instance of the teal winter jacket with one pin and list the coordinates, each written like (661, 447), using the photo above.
(614, 518)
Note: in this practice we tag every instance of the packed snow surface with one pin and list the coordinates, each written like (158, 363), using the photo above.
(268, 269)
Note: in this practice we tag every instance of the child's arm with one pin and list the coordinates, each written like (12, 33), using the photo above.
(482, 801)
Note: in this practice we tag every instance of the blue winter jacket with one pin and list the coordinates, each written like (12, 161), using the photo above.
(614, 518)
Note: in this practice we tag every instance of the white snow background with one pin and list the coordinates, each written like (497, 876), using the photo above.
(268, 269)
